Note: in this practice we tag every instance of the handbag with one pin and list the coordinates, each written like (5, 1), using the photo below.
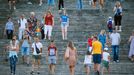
(37, 49)
(66, 56)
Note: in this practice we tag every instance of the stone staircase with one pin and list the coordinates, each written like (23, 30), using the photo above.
(82, 23)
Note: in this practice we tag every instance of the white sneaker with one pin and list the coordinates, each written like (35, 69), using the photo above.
(117, 61)
(40, 4)
(14, 8)
(119, 30)
(29, 2)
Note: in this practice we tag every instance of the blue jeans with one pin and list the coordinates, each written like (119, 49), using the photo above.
(50, 2)
(13, 61)
(115, 52)
(79, 4)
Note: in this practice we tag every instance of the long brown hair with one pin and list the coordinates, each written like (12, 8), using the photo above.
(71, 45)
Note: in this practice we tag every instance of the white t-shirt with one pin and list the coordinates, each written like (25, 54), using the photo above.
(115, 38)
(88, 59)
(105, 56)
(39, 46)
(22, 23)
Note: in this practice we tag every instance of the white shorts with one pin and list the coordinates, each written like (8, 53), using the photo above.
(48, 28)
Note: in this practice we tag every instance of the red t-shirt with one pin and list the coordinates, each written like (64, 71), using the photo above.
(48, 20)
(90, 42)
(52, 51)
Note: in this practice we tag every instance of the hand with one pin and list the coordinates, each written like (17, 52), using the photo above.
(40, 53)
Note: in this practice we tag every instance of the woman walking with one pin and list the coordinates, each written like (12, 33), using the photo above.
(13, 50)
(49, 23)
(72, 52)
(118, 15)
(64, 24)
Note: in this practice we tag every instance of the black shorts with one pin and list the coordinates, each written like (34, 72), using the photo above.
(97, 58)
(11, 0)
(94, 0)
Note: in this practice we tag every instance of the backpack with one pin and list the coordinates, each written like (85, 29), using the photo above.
(109, 25)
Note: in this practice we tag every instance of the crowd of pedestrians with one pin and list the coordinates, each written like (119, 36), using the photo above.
(97, 53)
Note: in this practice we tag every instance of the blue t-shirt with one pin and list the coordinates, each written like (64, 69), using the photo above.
(64, 18)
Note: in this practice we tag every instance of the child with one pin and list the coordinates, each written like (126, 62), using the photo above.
(37, 30)
(52, 57)
(88, 62)
(105, 60)
(89, 45)
(110, 24)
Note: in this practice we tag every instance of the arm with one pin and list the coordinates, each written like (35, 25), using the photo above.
(68, 21)
(32, 48)
(114, 9)
(121, 10)
(40, 50)
(17, 48)
(109, 58)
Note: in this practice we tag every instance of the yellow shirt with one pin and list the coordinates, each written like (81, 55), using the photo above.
(97, 47)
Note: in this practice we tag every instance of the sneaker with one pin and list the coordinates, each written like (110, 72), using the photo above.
(29, 2)
(38, 72)
(120, 30)
(11, 73)
(117, 61)
(114, 61)
(14, 8)
(31, 72)
(40, 4)
(98, 73)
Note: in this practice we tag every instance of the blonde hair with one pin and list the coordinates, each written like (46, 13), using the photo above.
(117, 4)
(102, 31)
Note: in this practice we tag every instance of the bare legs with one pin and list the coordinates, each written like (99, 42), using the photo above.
(25, 59)
(34, 65)
(72, 69)
(64, 33)
(97, 68)
(101, 2)
(52, 68)
(10, 3)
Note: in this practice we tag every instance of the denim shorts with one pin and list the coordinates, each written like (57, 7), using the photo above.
(97, 58)
(63, 24)
(51, 2)
(25, 50)
(52, 59)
